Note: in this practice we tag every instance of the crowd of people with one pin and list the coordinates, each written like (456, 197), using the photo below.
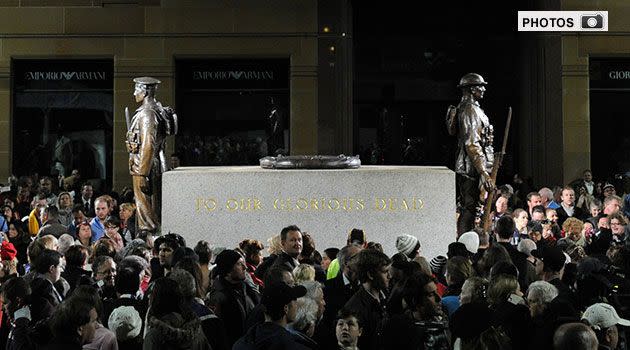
(552, 274)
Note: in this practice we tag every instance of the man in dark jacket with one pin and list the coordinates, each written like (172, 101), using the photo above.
(372, 269)
(504, 229)
(291, 240)
(280, 308)
(337, 292)
(51, 224)
(231, 298)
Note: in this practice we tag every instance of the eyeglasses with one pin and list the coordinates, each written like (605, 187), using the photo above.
(106, 272)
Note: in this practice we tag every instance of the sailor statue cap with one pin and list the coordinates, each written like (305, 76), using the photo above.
(146, 81)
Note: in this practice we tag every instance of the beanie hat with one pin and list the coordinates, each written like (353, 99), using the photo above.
(406, 244)
(356, 236)
(125, 322)
(457, 249)
(7, 251)
(470, 240)
(437, 264)
(225, 261)
(526, 246)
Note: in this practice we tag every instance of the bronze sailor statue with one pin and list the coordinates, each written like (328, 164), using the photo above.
(146, 139)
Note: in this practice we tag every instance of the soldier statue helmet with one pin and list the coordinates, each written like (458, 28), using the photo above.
(471, 79)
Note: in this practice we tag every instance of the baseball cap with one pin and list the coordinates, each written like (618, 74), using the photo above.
(603, 316)
(280, 294)
(552, 257)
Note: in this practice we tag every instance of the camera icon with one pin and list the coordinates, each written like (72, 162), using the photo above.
(595, 21)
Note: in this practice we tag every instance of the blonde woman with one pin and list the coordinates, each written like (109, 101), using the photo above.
(303, 273)
(573, 232)
(274, 249)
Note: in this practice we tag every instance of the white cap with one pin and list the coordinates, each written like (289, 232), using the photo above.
(603, 316)
(125, 321)
(470, 240)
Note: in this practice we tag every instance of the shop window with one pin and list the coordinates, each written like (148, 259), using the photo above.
(62, 118)
(232, 111)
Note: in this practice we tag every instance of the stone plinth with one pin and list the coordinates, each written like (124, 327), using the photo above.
(225, 205)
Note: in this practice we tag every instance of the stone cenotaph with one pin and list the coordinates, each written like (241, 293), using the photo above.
(225, 205)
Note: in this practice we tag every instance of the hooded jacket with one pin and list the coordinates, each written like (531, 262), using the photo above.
(173, 332)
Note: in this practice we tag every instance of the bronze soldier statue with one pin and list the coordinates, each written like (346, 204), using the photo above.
(146, 140)
(475, 153)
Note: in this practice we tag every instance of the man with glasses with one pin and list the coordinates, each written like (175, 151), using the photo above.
(104, 269)
(618, 224)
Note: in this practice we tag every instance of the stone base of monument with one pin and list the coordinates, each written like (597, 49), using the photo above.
(224, 205)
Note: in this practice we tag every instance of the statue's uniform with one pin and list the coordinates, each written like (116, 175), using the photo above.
(475, 156)
(145, 143)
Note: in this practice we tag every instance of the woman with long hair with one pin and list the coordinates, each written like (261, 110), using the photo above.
(20, 239)
(128, 221)
(84, 234)
(171, 323)
(64, 203)
(252, 249)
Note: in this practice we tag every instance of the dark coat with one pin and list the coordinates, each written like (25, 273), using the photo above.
(76, 276)
(42, 292)
(26, 334)
(336, 295)
(286, 260)
(403, 332)
(514, 318)
(88, 212)
(578, 213)
(173, 332)
(371, 314)
(52, 227)
(519, 260)
(212, 326)
(265, 265)
(268, 336)
(231, 304)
